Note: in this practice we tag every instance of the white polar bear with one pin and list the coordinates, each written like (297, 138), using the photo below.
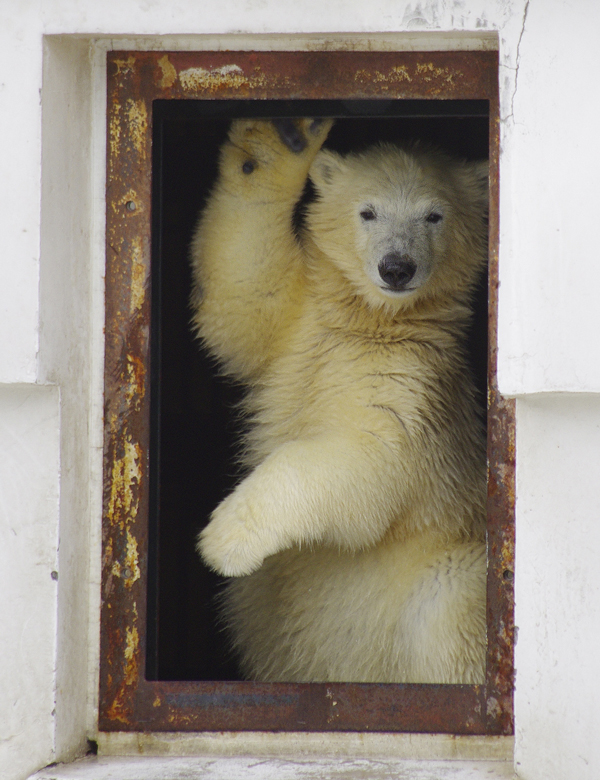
(356, 541)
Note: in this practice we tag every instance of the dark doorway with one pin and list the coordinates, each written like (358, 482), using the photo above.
(194, 426)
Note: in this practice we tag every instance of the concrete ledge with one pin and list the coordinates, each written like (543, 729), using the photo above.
(306, 745)
(211, 768)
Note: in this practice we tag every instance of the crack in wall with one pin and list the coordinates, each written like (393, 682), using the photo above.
(518, 60)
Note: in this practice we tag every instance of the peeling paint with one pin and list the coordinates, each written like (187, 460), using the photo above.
(130, 196)
(195, 79)
(394, 76)
(128, 569)
(121, 706)
(125, 473)
(131, 571)
(428, 72)
(425, 71)
(114, 131)
(136, 114)
(135, 388)
(494, 710)
(138, 276)
(169, 76)
(125, 65)
(131, 653)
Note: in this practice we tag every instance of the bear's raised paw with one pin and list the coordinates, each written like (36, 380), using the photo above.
(297, 134)
(280, 149)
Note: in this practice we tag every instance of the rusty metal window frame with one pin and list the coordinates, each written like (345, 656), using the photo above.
(129, 701)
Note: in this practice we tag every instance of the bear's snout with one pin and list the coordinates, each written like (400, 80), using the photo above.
(397, 270)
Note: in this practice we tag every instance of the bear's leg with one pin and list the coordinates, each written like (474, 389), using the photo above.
(342, 490)
(444, 619)
(248, 264)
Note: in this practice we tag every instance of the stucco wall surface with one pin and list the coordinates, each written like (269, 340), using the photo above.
(29, 462)
(51, 256)
(558, 601)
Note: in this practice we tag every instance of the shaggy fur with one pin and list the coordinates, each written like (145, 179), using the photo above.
(356, 542)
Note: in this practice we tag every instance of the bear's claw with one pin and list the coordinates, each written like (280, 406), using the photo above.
(290, 134)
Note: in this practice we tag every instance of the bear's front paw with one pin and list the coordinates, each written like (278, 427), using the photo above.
(297, 134)
(260, 148)
(234, 543)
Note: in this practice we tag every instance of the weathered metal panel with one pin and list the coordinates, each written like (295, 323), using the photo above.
(128, 701)
(126, 412)
(501, 490)
(239, 706)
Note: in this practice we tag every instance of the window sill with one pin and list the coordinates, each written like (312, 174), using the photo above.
(287, 756)
(257, 768)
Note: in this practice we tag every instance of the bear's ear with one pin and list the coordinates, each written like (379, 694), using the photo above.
(325, 167)
(479, 179)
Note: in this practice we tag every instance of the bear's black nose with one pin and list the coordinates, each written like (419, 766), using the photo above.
(397, 270)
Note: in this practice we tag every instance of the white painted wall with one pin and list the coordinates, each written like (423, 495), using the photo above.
(51, 255)
(549, 317)
(29, 467)
(558, 588)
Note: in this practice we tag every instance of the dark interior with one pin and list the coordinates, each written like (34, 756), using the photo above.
(194, 426)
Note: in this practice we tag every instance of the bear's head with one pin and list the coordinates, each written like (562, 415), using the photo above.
(402, 225)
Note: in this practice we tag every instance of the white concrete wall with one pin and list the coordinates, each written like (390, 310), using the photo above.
(558, 588)
(549, 317)
(70, 356)
(29, 467)
(51, 255)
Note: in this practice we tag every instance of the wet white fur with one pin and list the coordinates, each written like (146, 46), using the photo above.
(356, 542)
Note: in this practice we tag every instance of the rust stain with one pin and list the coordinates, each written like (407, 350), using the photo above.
(169, 76)
(131, 654)
(136, 114)
(118, 710)
(136, 378)
(179, 718)
(107, 553)
(121, 706)
(195, 79)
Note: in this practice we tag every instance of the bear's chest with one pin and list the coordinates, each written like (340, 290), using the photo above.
(326, 377)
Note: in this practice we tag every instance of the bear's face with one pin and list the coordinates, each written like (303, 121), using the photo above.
(398, 239)
(400, 225)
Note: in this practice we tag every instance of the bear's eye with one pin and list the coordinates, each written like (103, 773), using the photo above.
(367, 215)
(434, 217)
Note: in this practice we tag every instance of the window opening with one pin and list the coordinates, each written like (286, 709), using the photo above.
(169, 429)
(194, 426)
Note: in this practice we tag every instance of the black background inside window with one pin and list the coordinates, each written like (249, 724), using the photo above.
(194, 427)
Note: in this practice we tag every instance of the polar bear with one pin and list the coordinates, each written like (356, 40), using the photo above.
(355, 543)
